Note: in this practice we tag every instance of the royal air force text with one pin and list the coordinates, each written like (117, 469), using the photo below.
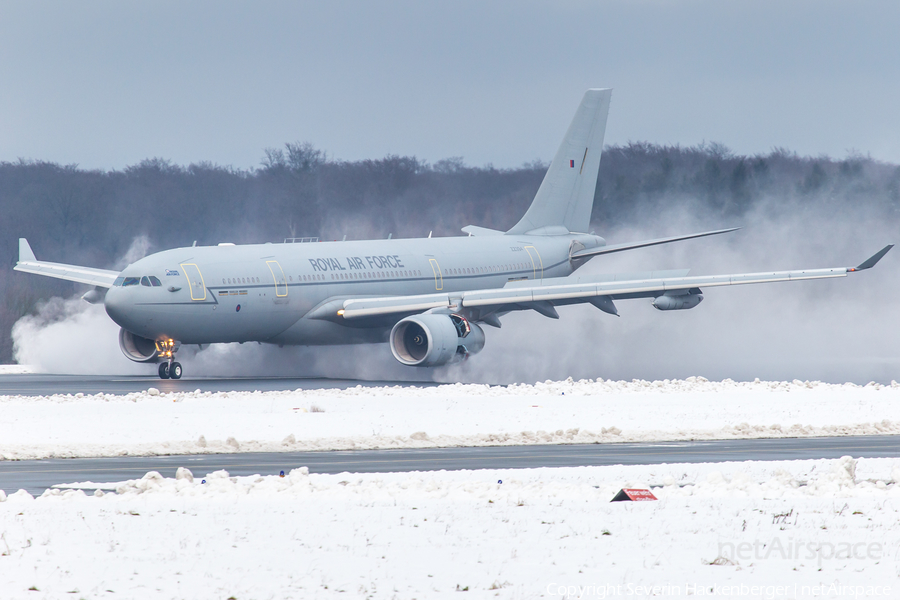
(356, 263)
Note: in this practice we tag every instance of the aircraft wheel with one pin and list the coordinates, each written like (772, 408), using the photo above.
(164, 370)
(175, 370)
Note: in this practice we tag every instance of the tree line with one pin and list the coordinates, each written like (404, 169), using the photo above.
(92, 217)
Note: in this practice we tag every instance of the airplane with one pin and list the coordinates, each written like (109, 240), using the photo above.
(428, 298)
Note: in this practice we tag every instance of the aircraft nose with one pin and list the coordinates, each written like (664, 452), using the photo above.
(117, 305)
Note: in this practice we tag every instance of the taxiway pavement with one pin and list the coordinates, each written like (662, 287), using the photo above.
(37, 475)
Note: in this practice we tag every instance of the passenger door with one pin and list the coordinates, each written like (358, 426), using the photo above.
(536, 262)
(195, 281)
(281, 288)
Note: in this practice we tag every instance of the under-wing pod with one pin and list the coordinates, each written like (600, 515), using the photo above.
(137, 348)
(681, 302)
(432, 340)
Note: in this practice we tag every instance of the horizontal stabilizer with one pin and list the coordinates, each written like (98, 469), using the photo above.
(586, 252)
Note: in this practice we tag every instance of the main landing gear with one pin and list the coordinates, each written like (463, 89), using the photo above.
(169, 369)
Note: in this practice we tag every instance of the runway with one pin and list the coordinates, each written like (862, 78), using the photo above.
(37, 475)
(42, 384)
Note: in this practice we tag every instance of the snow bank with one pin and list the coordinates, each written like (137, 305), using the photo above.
(495, 533)
(153, 423)
(16, 369)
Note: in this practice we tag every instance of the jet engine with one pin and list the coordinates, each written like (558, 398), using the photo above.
(432, 340)
(682, 302)
(137, 348)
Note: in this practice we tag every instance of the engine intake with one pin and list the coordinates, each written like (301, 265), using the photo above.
(433, 340)
(137, 348)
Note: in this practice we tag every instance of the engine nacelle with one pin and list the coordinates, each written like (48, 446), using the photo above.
(137, 348)
(433, 340)
(682, 302)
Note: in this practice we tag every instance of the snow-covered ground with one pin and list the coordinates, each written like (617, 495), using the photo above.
(796, 529)
(569, 411)
(16, 369)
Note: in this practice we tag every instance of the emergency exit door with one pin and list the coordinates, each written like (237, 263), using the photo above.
(438, 276)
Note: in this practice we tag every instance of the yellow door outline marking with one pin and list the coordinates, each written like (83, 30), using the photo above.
(191, 284)
(537, 274)
(283, 283)
(438, 276)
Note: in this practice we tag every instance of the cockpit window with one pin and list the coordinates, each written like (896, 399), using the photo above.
(131, 281)
(118, 281)
(145, 281)
(154, 281)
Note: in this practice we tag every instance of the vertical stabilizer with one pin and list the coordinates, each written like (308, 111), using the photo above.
(566, 195)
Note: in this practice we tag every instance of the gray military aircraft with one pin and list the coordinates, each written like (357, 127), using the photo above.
(426, 297)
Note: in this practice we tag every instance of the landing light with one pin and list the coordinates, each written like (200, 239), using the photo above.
(341, 313)
(165, 348)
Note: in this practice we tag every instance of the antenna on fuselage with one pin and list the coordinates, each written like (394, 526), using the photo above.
(389, 235)
(429, 233)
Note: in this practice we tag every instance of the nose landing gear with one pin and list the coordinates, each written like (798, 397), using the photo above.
(169, 369)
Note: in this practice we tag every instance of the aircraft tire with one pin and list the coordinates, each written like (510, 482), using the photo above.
(175, 370)
(164, 370)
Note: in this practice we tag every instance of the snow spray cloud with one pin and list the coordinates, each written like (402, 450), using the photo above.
(71, 336)
(830, 330)
(368, 362)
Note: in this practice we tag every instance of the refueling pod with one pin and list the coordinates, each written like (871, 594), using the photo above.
(137, 348)
(680, 302)
(431, 340)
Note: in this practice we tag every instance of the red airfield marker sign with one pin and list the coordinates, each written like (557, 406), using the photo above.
(632, 494)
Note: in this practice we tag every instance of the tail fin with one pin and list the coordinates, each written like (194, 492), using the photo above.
(566, 195)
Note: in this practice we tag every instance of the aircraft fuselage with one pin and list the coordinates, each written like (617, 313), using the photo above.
(261, 292)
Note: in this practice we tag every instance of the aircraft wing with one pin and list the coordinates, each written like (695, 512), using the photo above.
(29, 264)
(567, 290)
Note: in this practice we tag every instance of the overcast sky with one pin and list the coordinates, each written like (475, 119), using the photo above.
(107, 84)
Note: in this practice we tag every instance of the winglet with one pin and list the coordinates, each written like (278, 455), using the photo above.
(25, 252)
(872, 260)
